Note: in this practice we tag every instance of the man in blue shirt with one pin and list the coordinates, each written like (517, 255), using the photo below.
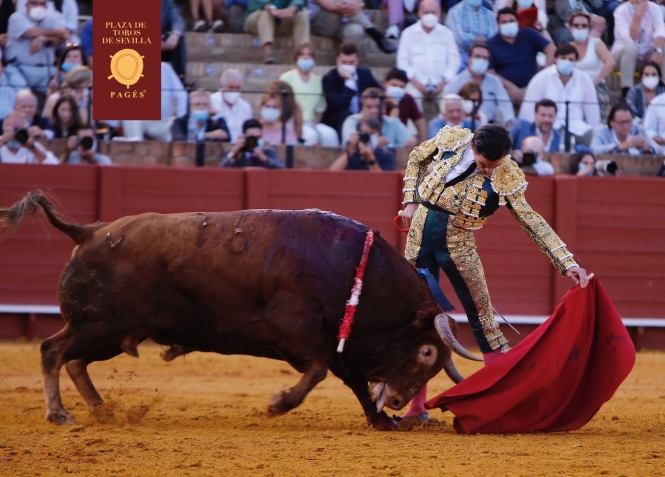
(470, 22)
(513, 53)
(544, 119)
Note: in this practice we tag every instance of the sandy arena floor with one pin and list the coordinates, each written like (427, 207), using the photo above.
(204, 415)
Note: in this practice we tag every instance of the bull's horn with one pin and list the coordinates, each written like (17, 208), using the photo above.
(443, 327)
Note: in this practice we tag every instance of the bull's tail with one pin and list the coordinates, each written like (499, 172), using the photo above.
(31, 204)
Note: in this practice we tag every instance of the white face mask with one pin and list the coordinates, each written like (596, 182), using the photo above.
(37, 14)
(429, 20)
(580, 34)
(347, 70)
(395, 92)
(231, 96)
(270, 115)
(509, 30)
(650, 82)
(467, 105)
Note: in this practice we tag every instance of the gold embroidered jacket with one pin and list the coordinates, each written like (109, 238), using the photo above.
(474, 199)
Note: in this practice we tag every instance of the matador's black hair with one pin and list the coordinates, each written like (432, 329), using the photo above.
(492, 141)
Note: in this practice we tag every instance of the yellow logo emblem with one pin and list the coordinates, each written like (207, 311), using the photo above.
(126, 67)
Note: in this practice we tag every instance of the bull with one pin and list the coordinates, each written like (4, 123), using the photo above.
(264, 283)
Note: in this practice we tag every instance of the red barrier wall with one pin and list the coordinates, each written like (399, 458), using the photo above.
(614, 226)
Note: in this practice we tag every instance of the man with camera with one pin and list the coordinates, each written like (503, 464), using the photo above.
(532, 158)
(19, 145)
(363, 151)
(621, 136)
(248, 151)
(82, 149)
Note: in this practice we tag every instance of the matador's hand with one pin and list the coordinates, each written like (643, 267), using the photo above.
(578, 275)
(408, 213)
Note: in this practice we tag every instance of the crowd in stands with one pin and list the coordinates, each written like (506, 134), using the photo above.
(540, 69)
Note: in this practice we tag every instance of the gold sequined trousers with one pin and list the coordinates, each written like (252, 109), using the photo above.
(435, 243)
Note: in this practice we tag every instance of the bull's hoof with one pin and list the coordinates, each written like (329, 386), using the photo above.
(60, 417)
(278, 404)
(384, 423)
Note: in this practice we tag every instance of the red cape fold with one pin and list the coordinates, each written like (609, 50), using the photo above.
(556, 379)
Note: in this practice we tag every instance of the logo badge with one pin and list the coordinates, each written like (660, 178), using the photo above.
(126, 67)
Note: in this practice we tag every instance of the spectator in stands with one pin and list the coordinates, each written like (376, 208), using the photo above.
(564, 9)
(513, 53)
(400, 104)
(526, 16)
(275, 131)
(212, 11)
(227, 102)
(277, 17)
(66, 117)
(541, 127)
(583, 163)
(82, 149)
(343, 85)
(172, 92)
(68, 9)
(396, 20)
(7, 93)
(393, 133)
(496, 102)
(291, 112)
(77, 84)
(198, 123)
(344, 20)
(531, 158)
(174, 50)
(428, 54)
(86, 40)
(639, 34)
(472, 100)
(71, 57)
(654, 120)
(650, 86)
(25, 102)
(470, 22)
(621, 136)
(451, 113)
(18, 145)
(308, 89)
(563, 82)
(33, 36)
(596, 59)
(249, 150)
(364, 151)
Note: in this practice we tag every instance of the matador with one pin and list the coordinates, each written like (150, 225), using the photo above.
(454, 182)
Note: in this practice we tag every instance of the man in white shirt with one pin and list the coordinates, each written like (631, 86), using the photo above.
(18, 146)
(654, 121)
(174, 105)
(228, 104)
(532, 158)
(562, 83)
(428, 53)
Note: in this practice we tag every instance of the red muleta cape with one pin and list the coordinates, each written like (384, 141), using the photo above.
(556, 379)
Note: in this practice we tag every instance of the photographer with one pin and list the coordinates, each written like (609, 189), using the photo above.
(584, 164)
(363, 152)
(82, 149)
(532, 158)
(248, 151)
(18, 144)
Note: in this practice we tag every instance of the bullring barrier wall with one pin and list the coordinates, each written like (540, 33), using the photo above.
(615, 227)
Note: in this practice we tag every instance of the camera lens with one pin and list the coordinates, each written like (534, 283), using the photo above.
(21, 135)
(86, 143)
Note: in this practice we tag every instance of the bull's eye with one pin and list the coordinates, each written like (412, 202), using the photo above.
(427, 355)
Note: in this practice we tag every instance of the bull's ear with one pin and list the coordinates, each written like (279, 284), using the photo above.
(425, 317)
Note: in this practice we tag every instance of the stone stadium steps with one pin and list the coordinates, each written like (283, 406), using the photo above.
(245, 48)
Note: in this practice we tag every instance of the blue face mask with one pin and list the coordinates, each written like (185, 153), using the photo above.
(565, 67)
(581, 167)
(395, 92)
(474, 3)
(200, 115)
(305, 64)
(66, 67)
(479, 65)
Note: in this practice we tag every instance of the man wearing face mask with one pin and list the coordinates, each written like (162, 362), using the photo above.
(513, 53)
(343, 85)
(249, 150)
(400, 104)
(198, 125)
(227, 103)
(562, 82)
(496, 102)
(363, 152)
(32, 39)
(18, 146)
(470, 22)
(621, 136)
(82, 149)
(428, 53)
(393, 133)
